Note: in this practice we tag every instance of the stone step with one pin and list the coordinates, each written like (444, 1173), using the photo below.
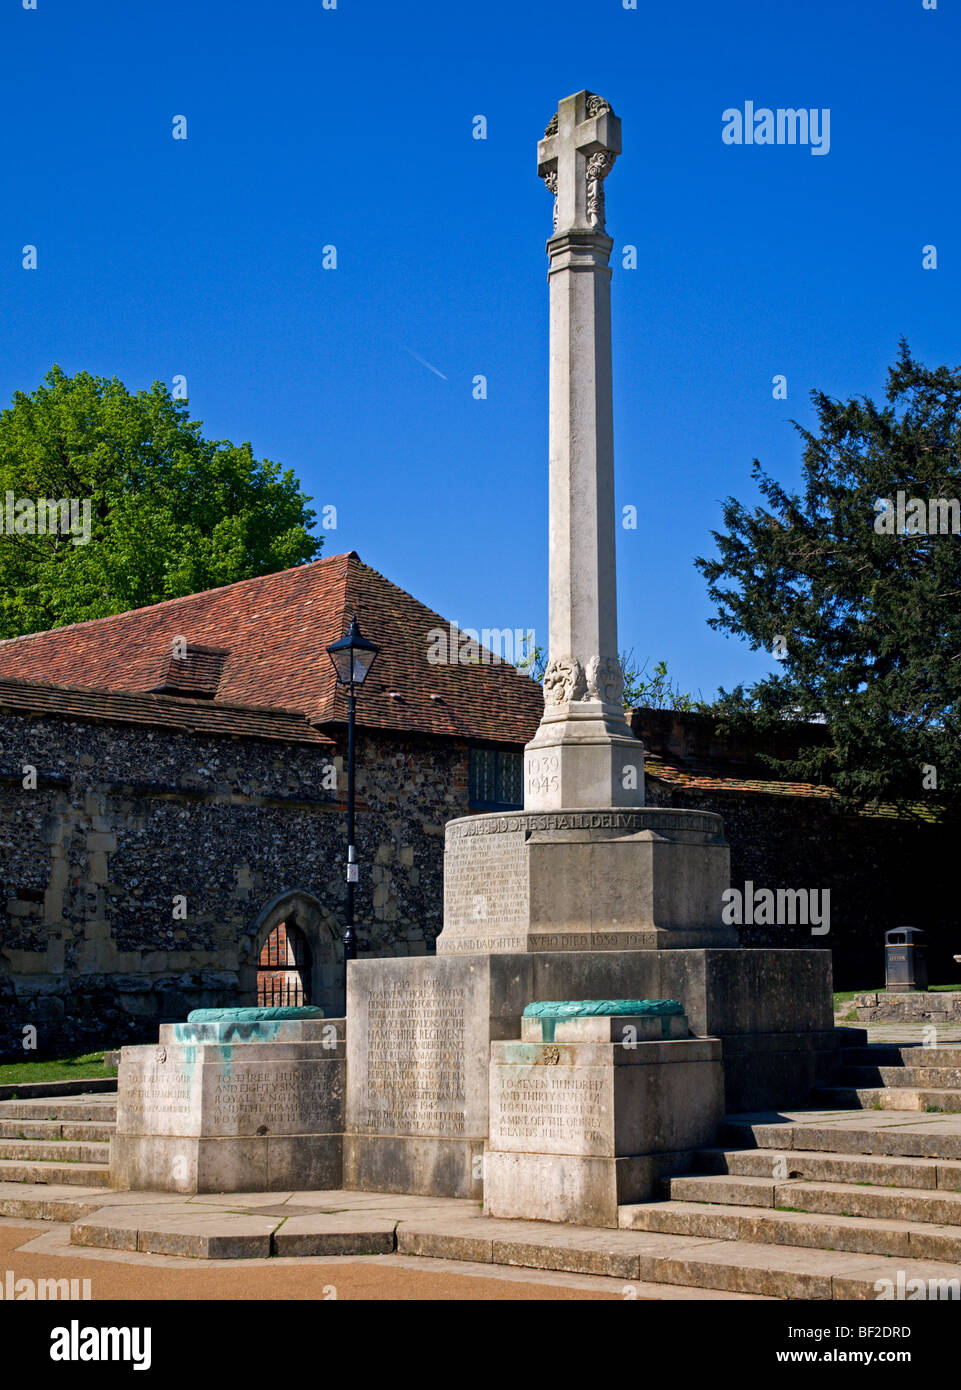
(832, 1199)
(31, 1090)
(882, 1170)
(65, 1174)
(49, 1201)
(908, 1140)
(639, 1258)
(888, 1098)
(808, 1230)
(83, 1108)
(787, 1272)
(884, 1055)
(54, 1150)
(927, 1078)
(90, 1131)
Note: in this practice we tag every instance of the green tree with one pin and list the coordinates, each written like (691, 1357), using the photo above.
(171, 512)
(868, 617)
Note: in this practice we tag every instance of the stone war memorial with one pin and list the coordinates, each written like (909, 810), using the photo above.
(588, 1018)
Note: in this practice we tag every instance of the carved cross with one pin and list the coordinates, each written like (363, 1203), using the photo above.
(575, 156)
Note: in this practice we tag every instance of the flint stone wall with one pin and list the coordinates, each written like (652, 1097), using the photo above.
(124, 819)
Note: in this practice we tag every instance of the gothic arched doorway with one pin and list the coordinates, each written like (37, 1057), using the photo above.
(284, 969)
(322, 933)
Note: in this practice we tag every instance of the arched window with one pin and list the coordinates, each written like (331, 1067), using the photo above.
(283, 970)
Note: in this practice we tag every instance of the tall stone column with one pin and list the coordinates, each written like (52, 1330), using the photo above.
(583, 755)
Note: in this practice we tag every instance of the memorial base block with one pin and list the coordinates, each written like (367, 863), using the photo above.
(646, 878)
(419, 1036)
(228, 1107)
(579, 1128)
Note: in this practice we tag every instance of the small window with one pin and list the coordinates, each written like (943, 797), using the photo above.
(496, 779)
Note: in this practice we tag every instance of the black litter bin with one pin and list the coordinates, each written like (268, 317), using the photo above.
(905, 960)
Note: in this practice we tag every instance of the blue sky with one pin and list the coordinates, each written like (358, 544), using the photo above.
(353, 127)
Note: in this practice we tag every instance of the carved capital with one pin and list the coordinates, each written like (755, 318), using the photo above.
(564, 681)
(605, 680)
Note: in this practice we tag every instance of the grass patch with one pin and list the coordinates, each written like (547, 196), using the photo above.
(85, 1066)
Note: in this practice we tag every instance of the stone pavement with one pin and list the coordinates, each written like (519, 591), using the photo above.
(817, 1203)
(811, 1204)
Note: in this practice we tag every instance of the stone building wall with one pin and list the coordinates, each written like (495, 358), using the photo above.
(880, 872)
(125, 819)
(125, 823)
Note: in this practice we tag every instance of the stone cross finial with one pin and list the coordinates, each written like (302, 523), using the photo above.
(584, 753)
(575, 156)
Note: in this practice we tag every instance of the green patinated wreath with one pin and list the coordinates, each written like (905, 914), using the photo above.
(588, 1008)
(302, 1015)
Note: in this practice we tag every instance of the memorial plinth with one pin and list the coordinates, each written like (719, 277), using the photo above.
(593, 1119)
(419, 1035)
(233, 1100)
(579, 880)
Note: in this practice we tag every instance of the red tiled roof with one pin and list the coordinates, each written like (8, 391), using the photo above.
(165, 711)
(275, 629)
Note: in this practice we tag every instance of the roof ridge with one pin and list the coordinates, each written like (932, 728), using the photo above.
(181, 598)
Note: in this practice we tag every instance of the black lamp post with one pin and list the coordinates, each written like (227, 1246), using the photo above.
(352, 658)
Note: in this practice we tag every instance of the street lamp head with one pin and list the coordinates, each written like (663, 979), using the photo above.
(353, 655)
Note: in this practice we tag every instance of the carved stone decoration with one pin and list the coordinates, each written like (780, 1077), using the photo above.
(564, 681)
(551, 127)
(597, 106)
(550, 179)
(599, 165)
(605, 680)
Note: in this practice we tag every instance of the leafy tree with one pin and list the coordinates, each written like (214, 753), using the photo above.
(171, 512)
(868, 613)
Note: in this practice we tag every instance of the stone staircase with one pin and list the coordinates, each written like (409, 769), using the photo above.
(57, 1140)
(897, 1078)
(840, 1183)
